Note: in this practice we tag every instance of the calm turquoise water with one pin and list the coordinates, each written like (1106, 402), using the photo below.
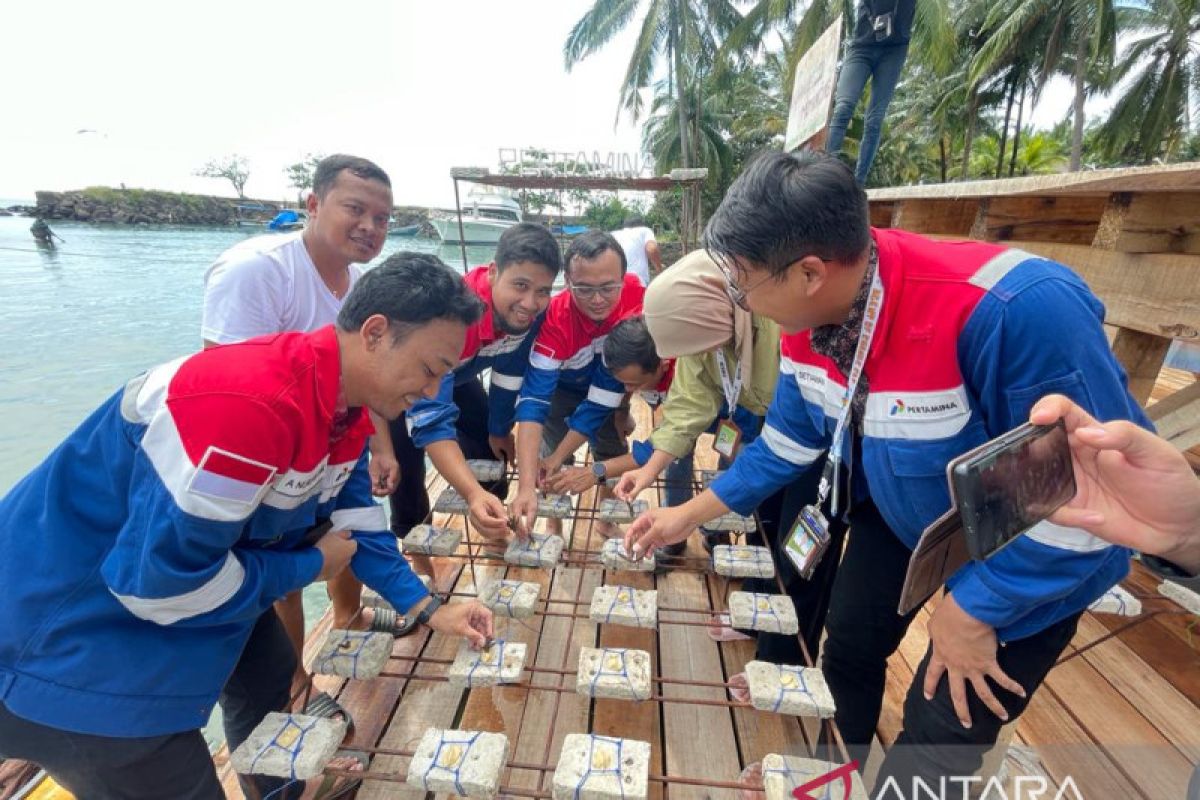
(79, 321)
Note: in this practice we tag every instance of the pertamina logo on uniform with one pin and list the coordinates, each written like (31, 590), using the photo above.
(910, 408)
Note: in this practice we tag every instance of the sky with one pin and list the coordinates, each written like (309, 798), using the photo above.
(144, 93)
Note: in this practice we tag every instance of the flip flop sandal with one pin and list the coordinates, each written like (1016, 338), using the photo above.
(386, 620)
(752, 784)
(727, 632)
(322, 704)
(334, 786)
(734, 691)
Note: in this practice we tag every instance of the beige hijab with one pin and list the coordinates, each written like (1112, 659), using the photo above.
(688, 311)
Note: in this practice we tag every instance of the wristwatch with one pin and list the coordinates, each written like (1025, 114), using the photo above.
(430, 608)
(600, 471)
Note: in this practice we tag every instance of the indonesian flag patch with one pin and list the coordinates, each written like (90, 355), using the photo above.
(227, 476)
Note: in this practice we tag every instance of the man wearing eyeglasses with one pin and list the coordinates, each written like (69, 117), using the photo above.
(568, 396)
(899, 353)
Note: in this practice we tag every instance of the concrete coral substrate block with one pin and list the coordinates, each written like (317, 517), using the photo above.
(743, 561)
(450, 502)
(1117, 601)
(786, 689)
(616, 672)
(466, 763)
(771, 613)
(555, 506)
(296, 746)
(614, 557)
(601, 768)
(431, 541)
(621, 605)
(782, 774)
(539, 550)
(360, 655)
(500, 663)
(517, 599)
(618, 511)
(486, 470)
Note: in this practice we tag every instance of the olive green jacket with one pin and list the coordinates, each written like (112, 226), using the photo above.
(695, 396)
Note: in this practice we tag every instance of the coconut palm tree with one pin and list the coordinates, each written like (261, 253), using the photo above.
(1075, 37)
(680, 32)
(1159, 75)
(709, 137)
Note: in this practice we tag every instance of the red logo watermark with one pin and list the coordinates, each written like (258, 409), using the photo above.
(844, 773)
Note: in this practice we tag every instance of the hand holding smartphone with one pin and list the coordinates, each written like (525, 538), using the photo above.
(998, 491)
(1006, 486)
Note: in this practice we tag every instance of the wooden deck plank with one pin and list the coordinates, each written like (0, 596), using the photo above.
(1181, 177)
(622, 718)
(1164, 642)
(546, 719)
(1129, 739)
(687, 652)
(759, 732)
(548, 716)
(423, 704)
(1166, 708)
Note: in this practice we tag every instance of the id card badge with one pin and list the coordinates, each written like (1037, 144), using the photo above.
(728, 438)
(808, 540)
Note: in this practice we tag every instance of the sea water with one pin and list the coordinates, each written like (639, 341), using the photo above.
(78, 321)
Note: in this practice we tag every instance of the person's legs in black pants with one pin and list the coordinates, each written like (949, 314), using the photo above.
(810, 597)
(933, 743)
(176, 765)
(863, 626)
(409, 502)
(472, 427)
(260, 683)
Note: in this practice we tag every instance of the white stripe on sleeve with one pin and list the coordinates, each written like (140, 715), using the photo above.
(213, 594)
(604, 397)
(366, 518)
(510, 382)
(787, 448)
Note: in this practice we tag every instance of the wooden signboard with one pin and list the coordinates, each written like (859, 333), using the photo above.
(812, 88)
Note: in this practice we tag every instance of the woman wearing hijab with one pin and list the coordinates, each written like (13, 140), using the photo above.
(727, 363)
(726, 357)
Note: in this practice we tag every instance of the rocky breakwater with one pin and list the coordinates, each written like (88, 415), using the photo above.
(136, 206)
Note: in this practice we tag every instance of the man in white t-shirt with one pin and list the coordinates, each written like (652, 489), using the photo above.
(641, 248)
(297, 282)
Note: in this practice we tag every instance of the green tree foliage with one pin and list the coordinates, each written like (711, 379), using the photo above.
(1159, 78)
(300, 175)
(608, 212)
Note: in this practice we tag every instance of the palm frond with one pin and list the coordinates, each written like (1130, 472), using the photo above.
(596, 28)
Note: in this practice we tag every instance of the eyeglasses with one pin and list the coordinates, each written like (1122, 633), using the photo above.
(607, 291)
(735, 292)
(738, 295)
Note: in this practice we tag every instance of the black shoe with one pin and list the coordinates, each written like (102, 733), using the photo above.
(714, 538)
(668, 555)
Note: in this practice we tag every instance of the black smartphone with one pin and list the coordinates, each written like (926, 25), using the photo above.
(1006, 486)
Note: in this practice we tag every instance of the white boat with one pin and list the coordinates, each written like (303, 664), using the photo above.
(484, 218)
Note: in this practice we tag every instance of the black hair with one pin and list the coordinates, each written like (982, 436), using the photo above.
(785, 206)
(410, 289)
(330, 167)
(590, 245)
(528, 241)
(634, 221)
(629, 343)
